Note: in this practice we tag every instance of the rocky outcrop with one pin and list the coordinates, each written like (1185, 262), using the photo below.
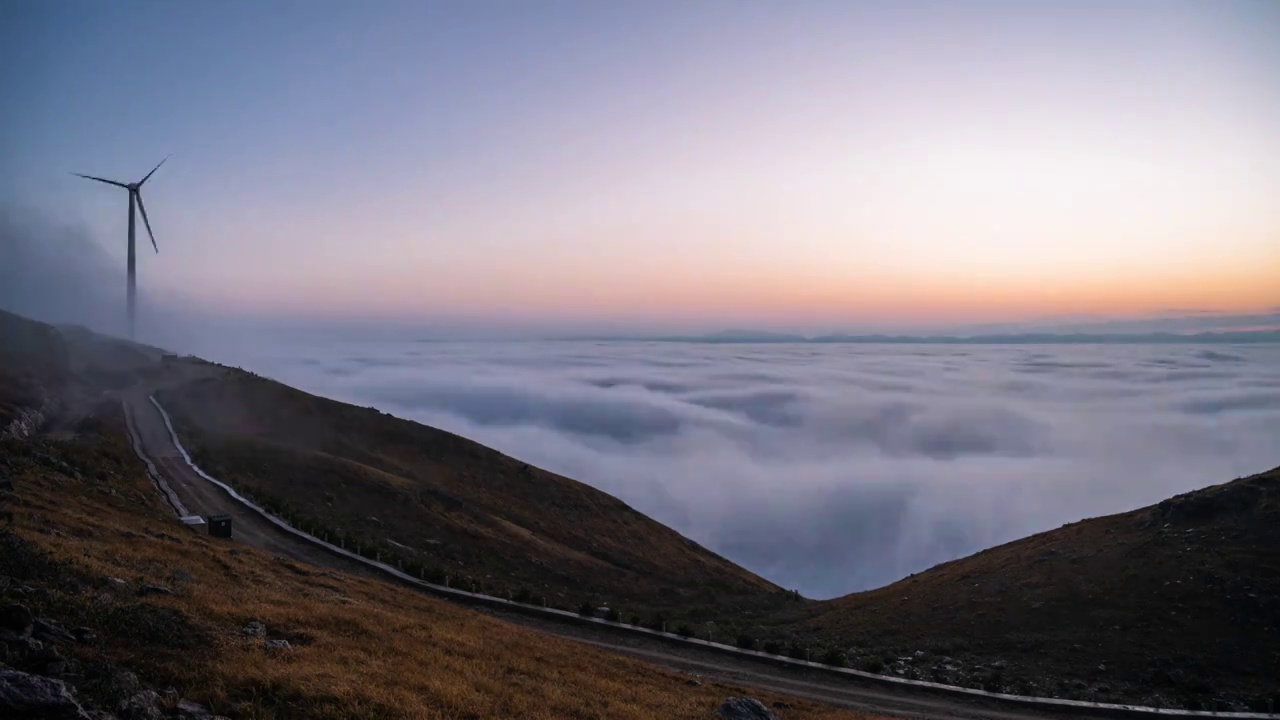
(742, 708)
(36, 685)
(24, 695)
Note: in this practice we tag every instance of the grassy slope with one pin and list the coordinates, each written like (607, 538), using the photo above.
(1180, 601)
(34, 365)
(461, 506)
(361, 649)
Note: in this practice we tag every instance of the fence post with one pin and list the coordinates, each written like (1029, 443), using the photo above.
(446, 580)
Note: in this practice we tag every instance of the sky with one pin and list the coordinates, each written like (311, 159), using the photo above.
(808, 166)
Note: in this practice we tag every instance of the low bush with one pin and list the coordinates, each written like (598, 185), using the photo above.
(835, 658)
(773, 647)
(684, 631)
(746, 642)
(586, 609)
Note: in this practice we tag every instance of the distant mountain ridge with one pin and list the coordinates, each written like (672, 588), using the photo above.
(1042, 338)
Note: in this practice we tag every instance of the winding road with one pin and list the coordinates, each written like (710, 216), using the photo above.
(202, 497)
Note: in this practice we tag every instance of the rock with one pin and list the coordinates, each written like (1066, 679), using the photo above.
(84, 635)
(23, 645)
(182, 577)
(692, 683)
(143, 705)
(117, 584)
(150, 589)
(48, 630)
(16, 618)
(278, 645)
(23, 695)
(254, 628)
(187, 710)
(736, 708)
(116, 685)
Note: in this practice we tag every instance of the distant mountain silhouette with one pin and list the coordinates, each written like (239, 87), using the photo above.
(1044, 338)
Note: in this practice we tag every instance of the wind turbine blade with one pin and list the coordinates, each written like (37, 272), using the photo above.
(103, 180)
(145, 220)
(153, 171)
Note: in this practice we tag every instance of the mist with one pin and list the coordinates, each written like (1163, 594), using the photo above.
(834, 469)
(54, 272)
(828, 469)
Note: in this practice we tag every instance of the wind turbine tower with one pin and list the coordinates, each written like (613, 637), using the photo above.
(135, 198)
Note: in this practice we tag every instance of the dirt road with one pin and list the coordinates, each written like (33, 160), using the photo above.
(202, 497)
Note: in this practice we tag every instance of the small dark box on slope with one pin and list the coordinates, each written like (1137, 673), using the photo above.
(220, 525)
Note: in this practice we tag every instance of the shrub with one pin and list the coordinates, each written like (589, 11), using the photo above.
(798, 651)
(873, 665)
(835, 658)
(586, 609)
(613, 616)
(523, 596)
(684, 631)
(635, 620)
(746, 642)
(773, 647)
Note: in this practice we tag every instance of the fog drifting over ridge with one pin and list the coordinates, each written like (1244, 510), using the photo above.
(835, 469)
(824, 468)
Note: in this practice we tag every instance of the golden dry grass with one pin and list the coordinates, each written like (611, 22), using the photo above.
(361, 648)
(462, 507)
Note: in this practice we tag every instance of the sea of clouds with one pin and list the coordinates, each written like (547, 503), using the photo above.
(827, 468)
(833, 468)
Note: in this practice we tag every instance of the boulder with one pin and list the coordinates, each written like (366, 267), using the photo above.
(16, 619)
(50, 631)
(23, 695)
(143, 705)
(279, 645)
(254, 628)
(150, 589)
(187, 710)
(741, 708)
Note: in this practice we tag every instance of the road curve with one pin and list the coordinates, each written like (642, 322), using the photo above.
(201, 497)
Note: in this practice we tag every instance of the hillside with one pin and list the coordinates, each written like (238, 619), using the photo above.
(34, 369)
(448, 505)
(140, 615)
(58, 374)
(1178, 602)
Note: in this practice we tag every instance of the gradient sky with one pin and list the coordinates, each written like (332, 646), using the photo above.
(807, 165)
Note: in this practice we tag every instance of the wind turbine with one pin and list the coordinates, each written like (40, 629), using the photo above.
(135, 196)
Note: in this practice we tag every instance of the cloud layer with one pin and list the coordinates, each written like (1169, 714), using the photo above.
(834, 469)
